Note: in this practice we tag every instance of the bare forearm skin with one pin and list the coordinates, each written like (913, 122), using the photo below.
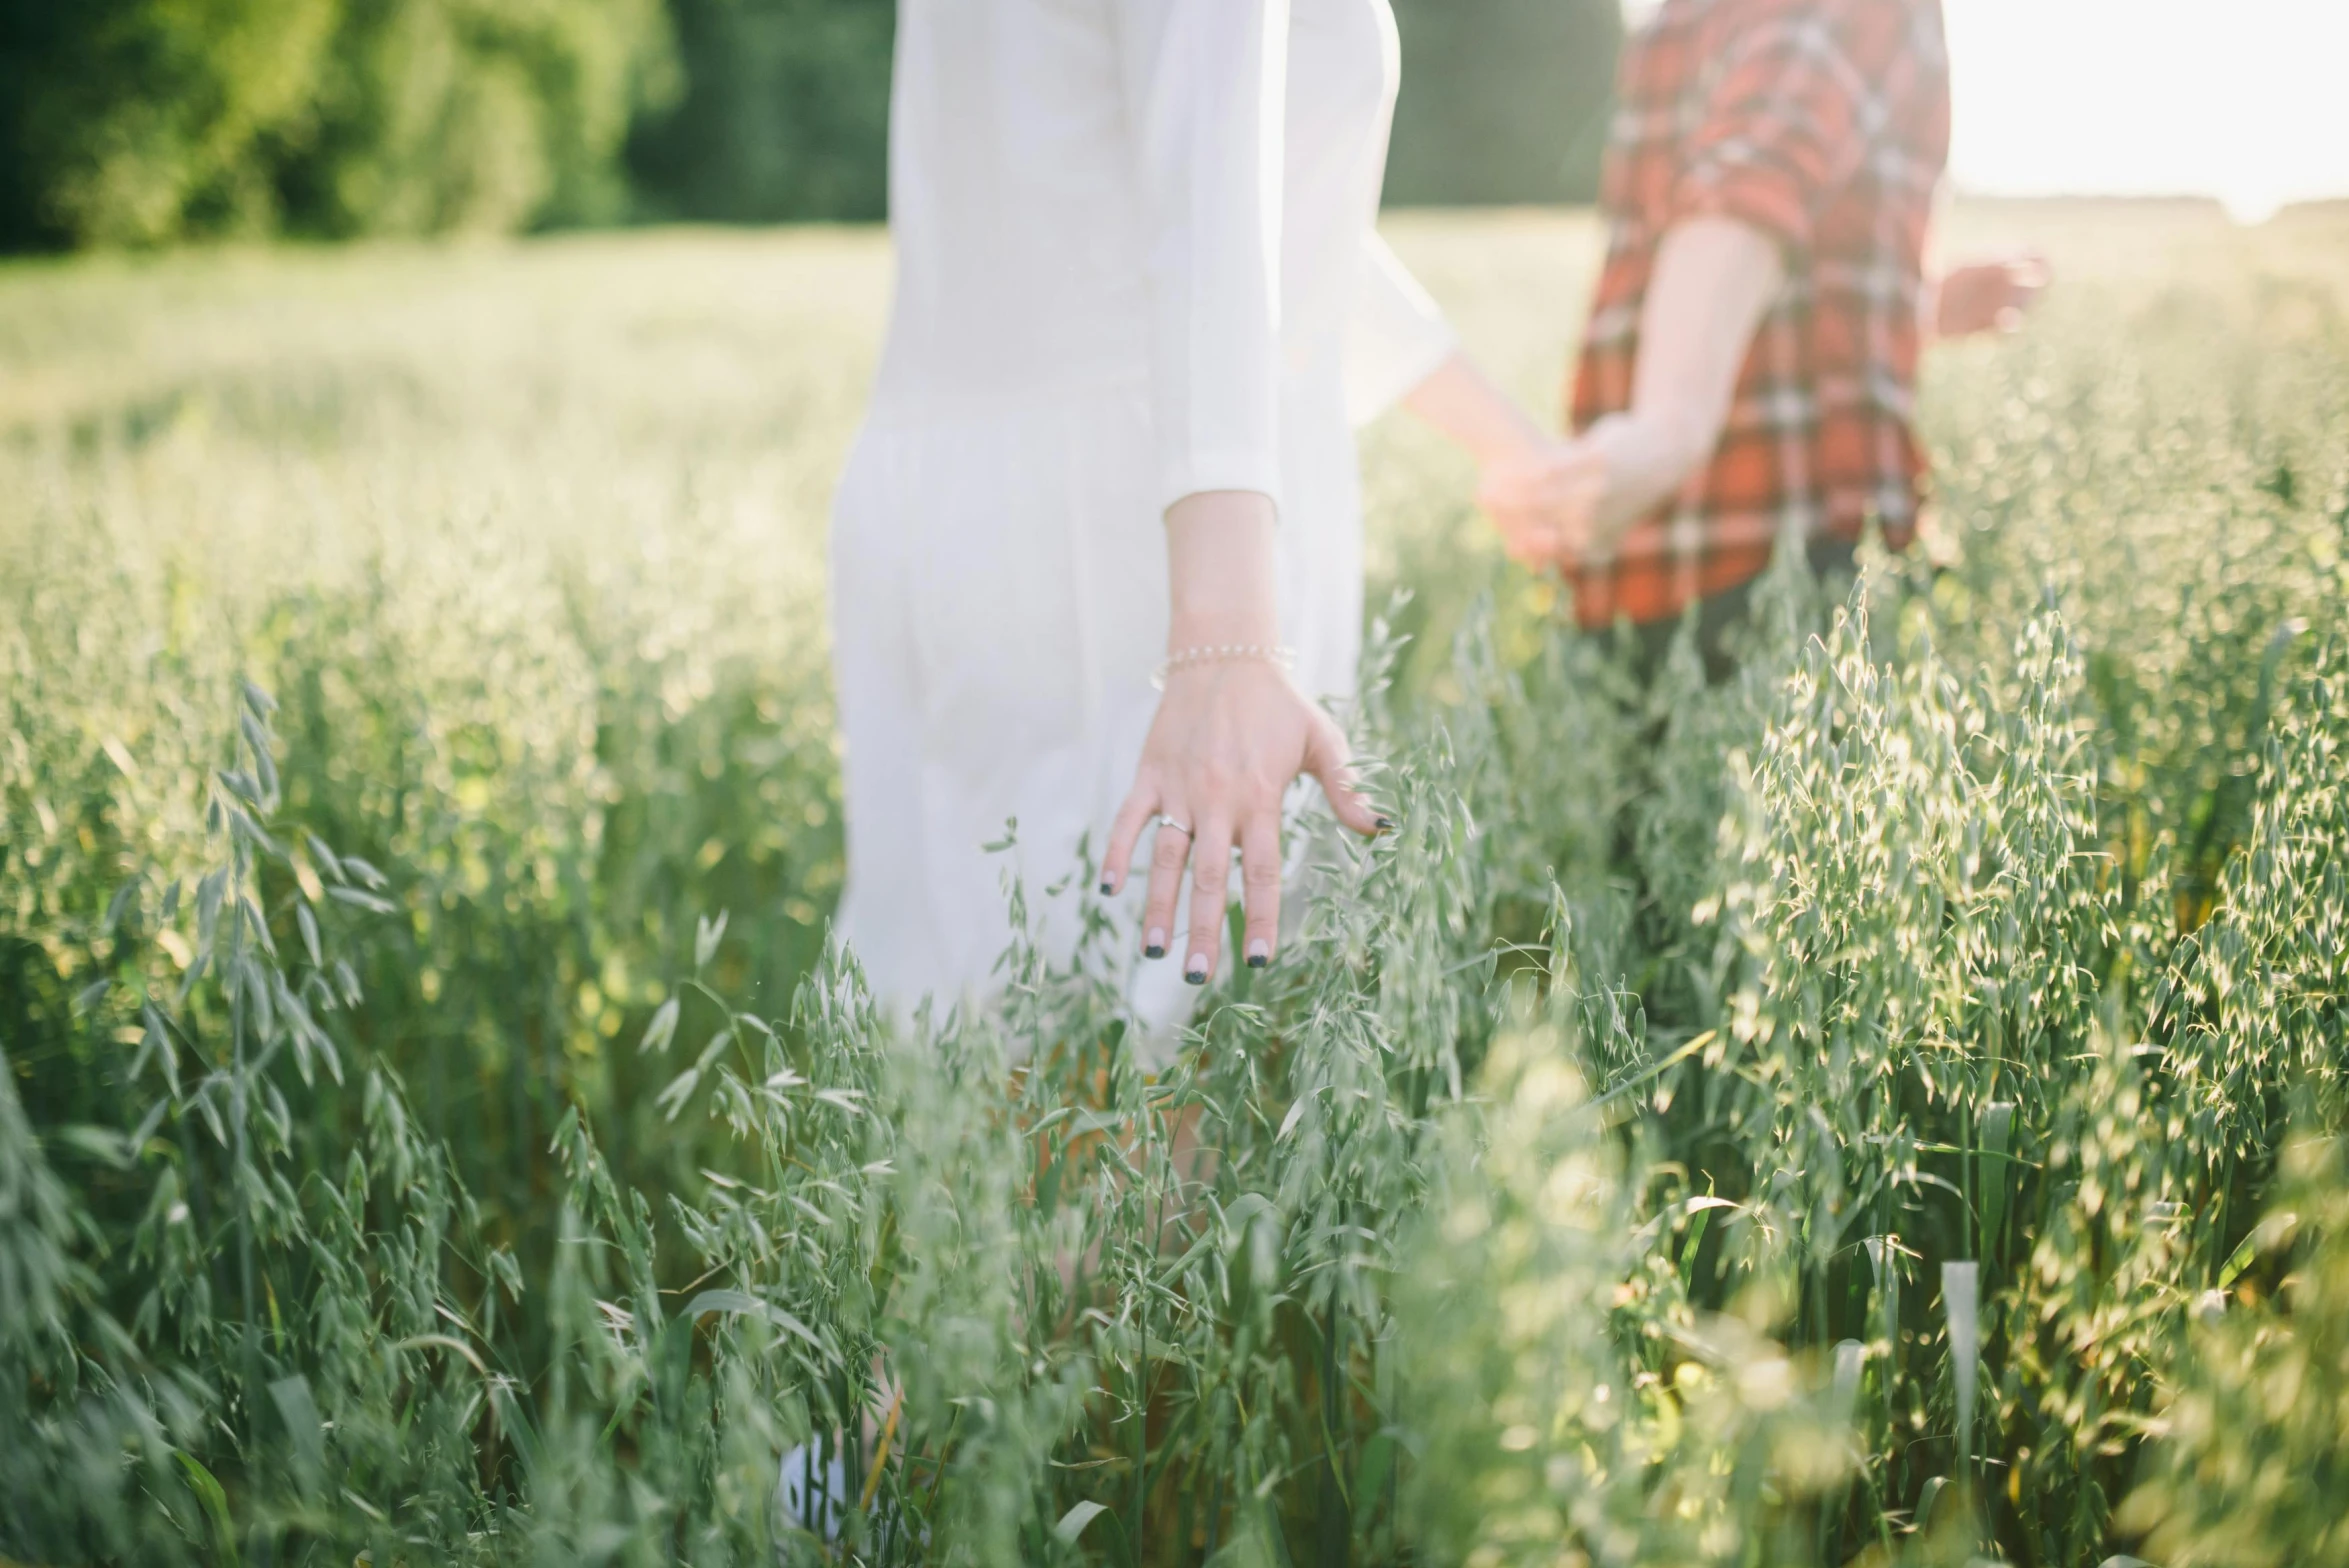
(1223, 584)
(1459, 401)
(1715, 278)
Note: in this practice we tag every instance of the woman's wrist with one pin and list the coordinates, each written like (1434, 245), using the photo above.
(1220, 628)
(1205, 658)
(1460, 400)
(1222, 580)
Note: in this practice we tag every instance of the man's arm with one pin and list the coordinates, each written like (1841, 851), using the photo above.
(1715, 278)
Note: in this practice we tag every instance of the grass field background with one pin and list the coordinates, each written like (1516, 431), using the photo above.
(400, 1153)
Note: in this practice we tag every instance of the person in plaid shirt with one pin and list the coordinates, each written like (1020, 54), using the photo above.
(1749, 372)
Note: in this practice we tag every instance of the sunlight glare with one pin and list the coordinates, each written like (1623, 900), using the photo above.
(2241, 101)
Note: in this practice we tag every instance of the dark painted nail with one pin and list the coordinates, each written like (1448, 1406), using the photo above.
(1257, 961)
(1197, 977)
(1386, 825)
(1106, 889)
(1154, 952)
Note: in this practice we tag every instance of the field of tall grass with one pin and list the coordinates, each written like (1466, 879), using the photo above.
(1888, 1108)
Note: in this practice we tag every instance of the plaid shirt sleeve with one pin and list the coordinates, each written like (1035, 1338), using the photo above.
(1788, 117)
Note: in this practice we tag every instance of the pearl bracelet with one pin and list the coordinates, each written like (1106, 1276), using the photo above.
(1223, 653)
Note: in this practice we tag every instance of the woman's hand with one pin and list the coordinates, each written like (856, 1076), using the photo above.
(1571, 503)
(1542, 492)
(1228, 738)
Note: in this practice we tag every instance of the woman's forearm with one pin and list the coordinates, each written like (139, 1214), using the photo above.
(1222, 580)
(1463, 403)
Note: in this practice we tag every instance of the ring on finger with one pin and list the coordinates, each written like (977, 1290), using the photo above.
(1183, 828)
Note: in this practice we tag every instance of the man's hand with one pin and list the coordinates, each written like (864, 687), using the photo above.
(1546, 502)
(1571, 501)
(1988, 296)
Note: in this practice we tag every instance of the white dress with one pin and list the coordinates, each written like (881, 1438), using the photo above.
(1135, 260)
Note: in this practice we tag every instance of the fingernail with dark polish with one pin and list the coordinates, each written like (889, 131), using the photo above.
(1106, 889)
(1386, 825)
(1197, 973)
(1154, 945)
(1259, 953)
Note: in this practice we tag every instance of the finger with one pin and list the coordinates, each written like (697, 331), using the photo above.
(1211, 880)
(1260, 886)
(1132, 817)
(1531, 546)
(1329, 759)
(1526, 530)
(1166, 884)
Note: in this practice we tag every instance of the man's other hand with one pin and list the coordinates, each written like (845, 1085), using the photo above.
(1989, 296)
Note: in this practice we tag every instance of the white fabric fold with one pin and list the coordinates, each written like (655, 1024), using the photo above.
(1398, 336)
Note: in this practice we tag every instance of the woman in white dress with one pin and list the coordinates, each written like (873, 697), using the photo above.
(1139, 308)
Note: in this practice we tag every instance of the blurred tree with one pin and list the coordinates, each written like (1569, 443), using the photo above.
(786, 110)
(786, 113)
(128, 121)
(1503, 100)
(442, 115)
(141, 121)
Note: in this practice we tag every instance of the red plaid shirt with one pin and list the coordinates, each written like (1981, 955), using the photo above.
(1824, 123)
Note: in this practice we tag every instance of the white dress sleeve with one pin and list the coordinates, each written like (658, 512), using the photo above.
(1205, 83)
(1397, 336)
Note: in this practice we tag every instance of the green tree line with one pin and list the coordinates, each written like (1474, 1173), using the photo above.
(143, 122)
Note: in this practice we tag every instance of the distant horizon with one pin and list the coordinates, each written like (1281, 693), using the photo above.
(2146, 198)
(1956, 191)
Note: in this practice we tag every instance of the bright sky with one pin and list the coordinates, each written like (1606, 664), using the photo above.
(2245, 100)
